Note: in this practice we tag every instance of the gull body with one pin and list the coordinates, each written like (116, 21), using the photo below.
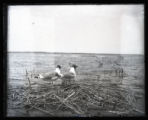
(52, 76)
(69, 77)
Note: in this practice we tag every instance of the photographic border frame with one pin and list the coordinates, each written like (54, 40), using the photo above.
(4, 59)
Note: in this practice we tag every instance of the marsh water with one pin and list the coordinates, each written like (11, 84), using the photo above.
(90, 68)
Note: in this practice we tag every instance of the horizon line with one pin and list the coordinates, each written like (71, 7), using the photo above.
(72, 53)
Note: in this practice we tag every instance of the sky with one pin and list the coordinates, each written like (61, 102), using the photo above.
(116, 29)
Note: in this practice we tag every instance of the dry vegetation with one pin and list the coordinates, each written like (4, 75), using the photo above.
(80, 99)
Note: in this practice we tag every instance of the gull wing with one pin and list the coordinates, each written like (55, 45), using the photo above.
(68, 76)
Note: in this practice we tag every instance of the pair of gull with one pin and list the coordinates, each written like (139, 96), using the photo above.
(57, 73)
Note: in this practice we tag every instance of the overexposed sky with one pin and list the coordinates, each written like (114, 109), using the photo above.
(117, 29)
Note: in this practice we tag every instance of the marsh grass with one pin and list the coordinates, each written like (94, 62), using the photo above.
(81, 98)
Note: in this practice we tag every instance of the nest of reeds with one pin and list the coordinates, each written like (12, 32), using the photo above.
(79, 98)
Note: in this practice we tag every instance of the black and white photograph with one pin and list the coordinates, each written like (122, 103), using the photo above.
(75, 60)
